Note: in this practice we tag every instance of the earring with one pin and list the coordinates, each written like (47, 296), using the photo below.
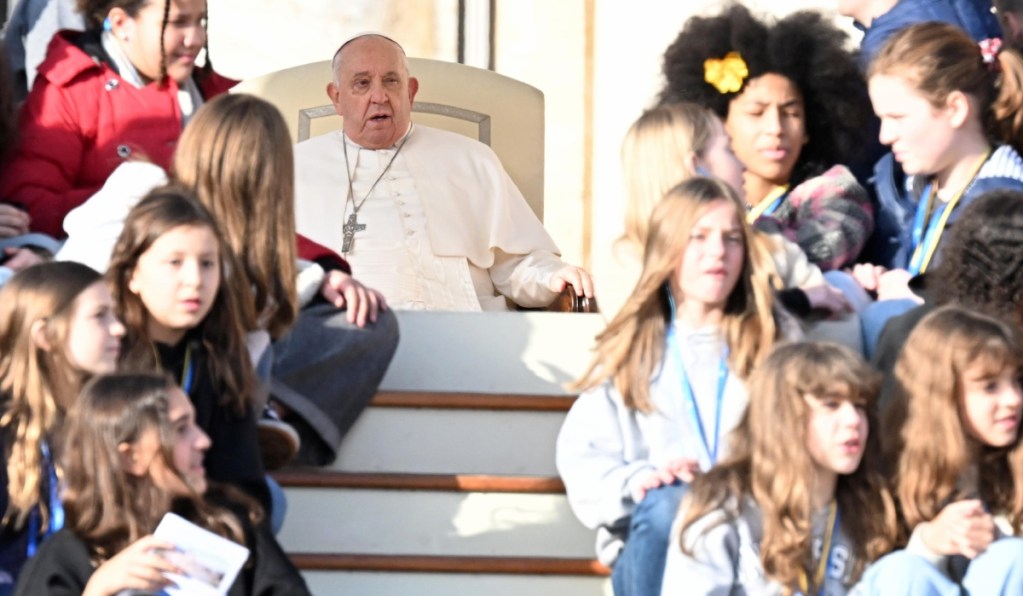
(124, 37)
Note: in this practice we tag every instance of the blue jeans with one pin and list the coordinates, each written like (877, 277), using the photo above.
(278, 505)
(640, 567)
(998, 571)
(876, 316)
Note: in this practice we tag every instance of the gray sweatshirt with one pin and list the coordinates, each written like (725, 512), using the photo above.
(726, 556)
(605, 449)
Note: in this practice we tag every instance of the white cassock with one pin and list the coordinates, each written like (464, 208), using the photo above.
(446, 228)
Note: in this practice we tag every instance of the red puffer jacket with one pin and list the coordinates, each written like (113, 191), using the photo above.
(82, 120)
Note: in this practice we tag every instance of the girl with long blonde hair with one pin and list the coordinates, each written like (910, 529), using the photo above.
(667, 379)
(799, 506)
(57, 328)
(952, 438)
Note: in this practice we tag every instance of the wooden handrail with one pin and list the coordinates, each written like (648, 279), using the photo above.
(473, 401)
(317, 478)
(447, 564)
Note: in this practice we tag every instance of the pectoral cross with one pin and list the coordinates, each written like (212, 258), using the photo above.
(349, 230)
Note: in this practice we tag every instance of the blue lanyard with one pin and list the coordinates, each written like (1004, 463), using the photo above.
(711, 451)
(922, 241)
(56, 507)
(188, 372)
(770, 209)
(187, 368)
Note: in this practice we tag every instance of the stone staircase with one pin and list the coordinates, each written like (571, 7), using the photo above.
(446, 485)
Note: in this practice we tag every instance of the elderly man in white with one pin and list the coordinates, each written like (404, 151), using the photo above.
(427, 217)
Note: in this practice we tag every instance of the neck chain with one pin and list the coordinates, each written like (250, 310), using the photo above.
(352, 225)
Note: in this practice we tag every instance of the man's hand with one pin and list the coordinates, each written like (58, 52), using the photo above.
(362, 303)
(570, 274)
(961, 528)
(13, 221)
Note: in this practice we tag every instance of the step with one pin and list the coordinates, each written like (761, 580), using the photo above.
(439, 521)
(528, 353)
(451, 441)
(450, 584)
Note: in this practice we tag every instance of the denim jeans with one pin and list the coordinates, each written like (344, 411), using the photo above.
(640, 567)
(876, 316)
(997, 571)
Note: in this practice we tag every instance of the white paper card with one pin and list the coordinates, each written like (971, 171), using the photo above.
(210, 562)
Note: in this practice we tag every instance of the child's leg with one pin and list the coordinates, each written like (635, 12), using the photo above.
(905, 574)
(278, 505)
(999, 570)
(640, 567)
(325, 371)
(876, 316)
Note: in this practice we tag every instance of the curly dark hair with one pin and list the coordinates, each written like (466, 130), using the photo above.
(982, 261)
(805, 48)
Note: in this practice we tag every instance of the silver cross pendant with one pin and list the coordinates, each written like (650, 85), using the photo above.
(349, 229)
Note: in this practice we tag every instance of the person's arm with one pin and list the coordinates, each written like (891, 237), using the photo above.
(832, 219)
(321, 255)
(137, 568)
(42, 174)
(590, 455)
(63, 567)
(960, 528)
(536, 279)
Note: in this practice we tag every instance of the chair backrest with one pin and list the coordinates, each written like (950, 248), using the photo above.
(494, 109)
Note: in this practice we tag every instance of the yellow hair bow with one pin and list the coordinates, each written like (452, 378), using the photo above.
(726, 74)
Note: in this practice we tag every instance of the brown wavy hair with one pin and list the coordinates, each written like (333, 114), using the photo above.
(926, 440)
(38, 385)
(106, 507)
(222, 332)
(630, 349)
(769, 461)
(237, 158)
(938, 59)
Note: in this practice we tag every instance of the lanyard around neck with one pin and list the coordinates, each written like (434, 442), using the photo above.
(56, 506)
(187, 368)
(769, 204)
(925, 244)
(834, 519)
(710, 450)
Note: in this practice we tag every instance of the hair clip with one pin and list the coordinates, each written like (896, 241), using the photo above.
(726, 74)
(989, 49)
